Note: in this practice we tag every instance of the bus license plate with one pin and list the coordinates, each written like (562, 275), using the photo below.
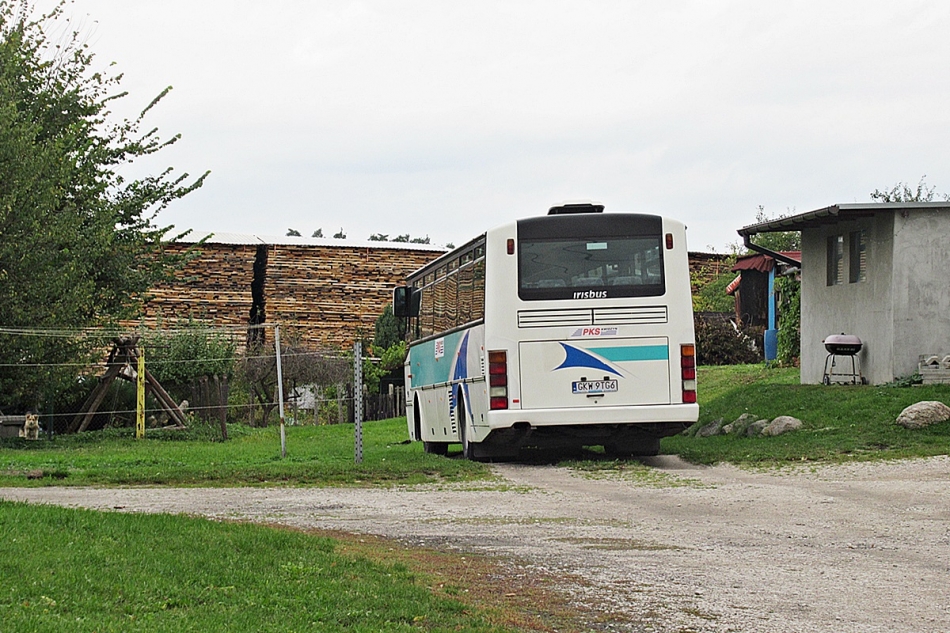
(594, 386)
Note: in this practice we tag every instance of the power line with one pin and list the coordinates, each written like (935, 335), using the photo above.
(152, 363)
(106, 332)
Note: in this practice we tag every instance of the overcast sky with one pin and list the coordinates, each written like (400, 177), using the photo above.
(447, 118)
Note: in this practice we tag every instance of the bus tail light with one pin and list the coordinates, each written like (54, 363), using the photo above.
(498, 379)
(688, 372)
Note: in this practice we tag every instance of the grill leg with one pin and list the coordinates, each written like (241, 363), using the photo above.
(826, 376)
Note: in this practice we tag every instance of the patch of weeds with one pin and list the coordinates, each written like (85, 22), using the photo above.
(617, 544)
(697, 613)
(56, 473)
(633, 471)
(906, 381)
(503, 590)
(531, 521)
(481, 486)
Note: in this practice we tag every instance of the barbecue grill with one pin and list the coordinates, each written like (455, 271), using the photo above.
(843, 346)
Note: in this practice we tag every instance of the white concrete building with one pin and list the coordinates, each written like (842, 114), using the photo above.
(880, 271)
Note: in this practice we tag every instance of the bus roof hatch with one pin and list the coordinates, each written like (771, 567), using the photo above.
(576, 207)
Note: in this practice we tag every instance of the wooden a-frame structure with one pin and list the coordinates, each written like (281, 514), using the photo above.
(122, 363)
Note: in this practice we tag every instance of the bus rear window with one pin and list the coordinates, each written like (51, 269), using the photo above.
(599, 267)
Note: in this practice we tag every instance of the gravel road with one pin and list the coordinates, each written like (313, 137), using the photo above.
(676, 548)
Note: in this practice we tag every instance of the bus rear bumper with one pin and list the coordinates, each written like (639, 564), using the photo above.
(622, 431)
(676, 415)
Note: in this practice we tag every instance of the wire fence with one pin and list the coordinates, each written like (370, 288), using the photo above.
(211, 374)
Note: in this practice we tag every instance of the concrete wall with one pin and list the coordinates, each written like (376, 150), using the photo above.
(864, 309)
(921, 296)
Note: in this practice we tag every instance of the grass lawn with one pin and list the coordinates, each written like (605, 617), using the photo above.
(316, 455)
(78, 570)
(840, 422)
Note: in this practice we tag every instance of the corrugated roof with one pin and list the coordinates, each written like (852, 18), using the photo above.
(763, 263)
(286, 240)
(836, 213)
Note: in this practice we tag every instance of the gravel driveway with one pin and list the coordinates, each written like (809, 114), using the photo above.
(678, 548)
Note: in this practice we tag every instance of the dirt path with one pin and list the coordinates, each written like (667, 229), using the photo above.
(860, 547)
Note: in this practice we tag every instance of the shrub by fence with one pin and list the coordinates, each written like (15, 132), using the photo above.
(720, 342)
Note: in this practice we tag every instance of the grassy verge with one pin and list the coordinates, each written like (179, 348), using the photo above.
(79, 570)
(839, 422)
(316, 455)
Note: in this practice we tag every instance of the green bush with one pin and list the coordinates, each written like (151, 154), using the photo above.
(719, 343)
(790, 320)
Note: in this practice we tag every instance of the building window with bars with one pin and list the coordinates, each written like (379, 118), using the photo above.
(835, 259)
(857, 256)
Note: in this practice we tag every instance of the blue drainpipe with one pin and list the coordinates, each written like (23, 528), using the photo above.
(771, 334)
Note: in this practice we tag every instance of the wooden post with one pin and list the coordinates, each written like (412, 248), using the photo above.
(340, 393)
(140, 397)
(124, 355)
(221, 383)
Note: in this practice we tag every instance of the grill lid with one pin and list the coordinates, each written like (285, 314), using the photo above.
(843, 344)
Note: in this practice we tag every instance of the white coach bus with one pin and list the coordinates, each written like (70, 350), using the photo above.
(562, 331)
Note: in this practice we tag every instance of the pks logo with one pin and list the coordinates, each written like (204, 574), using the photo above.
(585, 332)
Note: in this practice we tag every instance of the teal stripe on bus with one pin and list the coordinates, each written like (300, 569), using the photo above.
(428, 370)
(640, 352)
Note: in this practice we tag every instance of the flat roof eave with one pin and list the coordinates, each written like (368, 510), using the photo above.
(835, 213)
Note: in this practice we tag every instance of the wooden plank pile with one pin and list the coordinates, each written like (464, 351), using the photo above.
(335, 294)
(213, 287)
(329, 294)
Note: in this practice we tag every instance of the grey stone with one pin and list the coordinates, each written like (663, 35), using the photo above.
(693, 429)
(713, 428)
(923, 414)
(782, 424)
(755, 429)
(746, 418)
(741, 424)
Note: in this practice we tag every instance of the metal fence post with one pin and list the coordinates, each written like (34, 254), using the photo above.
(280, 393)
(358, 399)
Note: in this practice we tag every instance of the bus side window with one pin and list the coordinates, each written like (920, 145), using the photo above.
(466, 290)
(437, 292)
(478, 296)
(451, 314)
(426, 312)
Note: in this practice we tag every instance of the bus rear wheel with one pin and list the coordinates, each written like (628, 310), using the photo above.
(463, 436)
(436, 448)
(645, 447)
(470, 450)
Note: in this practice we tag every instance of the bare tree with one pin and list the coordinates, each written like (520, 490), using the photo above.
(902, 192)
(300, 366)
